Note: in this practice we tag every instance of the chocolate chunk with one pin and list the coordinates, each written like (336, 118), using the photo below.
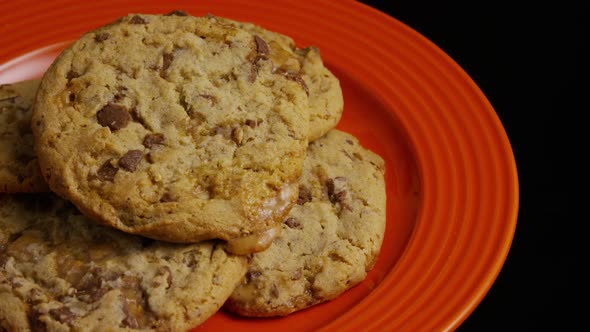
(35, 296)
(72, 74)
(177, 13)
(168, 197)
(253, 275)
(296, 77)
(35, 322)
(3, 256)
(237, 135)
(253, 72)
(63, 314)
(336, 195)
(262, 49)
(190, 259)
(349, 141)
(137, 20)
(223, 131)
(262, 52)
(129, 320)
(166, 61)
(274, 291)
(107, 171)
(113, 116)
(212, 99)
(100, 37)
(130, 160)
(304, 196)
(297, 274)
(293, 223)
(92, 289)
(251, 123)
(165, 270)
(153, 139)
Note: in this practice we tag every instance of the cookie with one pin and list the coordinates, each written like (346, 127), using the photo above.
(174, 127)
(326, 102)
(19, 170)
(329, 241)
(60, 272)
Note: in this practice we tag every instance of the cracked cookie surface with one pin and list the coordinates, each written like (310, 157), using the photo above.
(60, 272)
(173, 127)
(19, 169)
(326, 102)
(330, 239)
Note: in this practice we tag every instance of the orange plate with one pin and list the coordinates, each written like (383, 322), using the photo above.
(451, 176)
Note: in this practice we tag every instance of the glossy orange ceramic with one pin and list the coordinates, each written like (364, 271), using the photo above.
(451, 176)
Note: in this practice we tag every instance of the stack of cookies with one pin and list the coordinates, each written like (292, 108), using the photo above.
(169, 166)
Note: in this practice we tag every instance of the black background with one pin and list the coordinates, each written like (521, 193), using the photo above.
(528, 61)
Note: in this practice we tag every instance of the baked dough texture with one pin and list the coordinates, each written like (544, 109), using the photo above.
(177, 128)
(330, 239)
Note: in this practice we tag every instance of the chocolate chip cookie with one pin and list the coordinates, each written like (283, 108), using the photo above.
(60, 272)
(177, 128)
(330, 239)
(19, 170)
(326, 102)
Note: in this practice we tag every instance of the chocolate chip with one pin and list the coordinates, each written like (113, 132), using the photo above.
(262, 49)
(293, 223)
(63, 314)
(153, 139)
(113, 116)
(177, 13)
(107, 171)
(349, 141)
(130, 160)
(304, 196)
(137, 20)
(100, 37)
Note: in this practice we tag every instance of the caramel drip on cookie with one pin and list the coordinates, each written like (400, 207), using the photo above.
(253, 243)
